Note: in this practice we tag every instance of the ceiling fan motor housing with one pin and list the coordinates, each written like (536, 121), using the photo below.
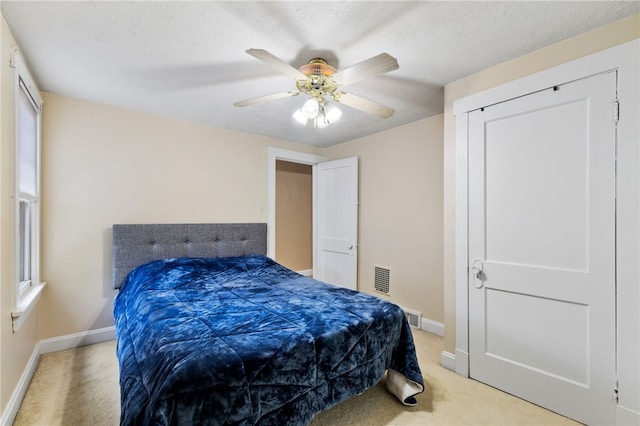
(317, 66)
(319, 82)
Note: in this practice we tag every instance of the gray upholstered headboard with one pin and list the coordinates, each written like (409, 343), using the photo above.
(134, 245)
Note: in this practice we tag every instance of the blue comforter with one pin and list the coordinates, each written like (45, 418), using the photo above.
(245, 340)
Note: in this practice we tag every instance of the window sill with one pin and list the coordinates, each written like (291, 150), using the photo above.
(27, 302)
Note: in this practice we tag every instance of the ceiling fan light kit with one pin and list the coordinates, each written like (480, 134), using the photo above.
(332, 113)
(311, 108)
(320, 81)
(324, 115)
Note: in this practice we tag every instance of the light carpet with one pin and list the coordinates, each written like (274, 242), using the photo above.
(80, 387)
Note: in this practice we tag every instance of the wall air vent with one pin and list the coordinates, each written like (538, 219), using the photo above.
(382, 279)
(413, 318)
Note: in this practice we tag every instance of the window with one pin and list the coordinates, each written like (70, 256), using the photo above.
(25, 245)
(28, 109)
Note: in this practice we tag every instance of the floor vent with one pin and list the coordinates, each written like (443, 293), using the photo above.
(382, 279)
(413, 318)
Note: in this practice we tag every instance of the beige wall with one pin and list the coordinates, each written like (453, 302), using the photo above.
(15, 349)
(582, 45)
(105, 165)
(294, 216)
(400, 216)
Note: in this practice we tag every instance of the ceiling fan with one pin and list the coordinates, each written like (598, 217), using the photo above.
(322, 82)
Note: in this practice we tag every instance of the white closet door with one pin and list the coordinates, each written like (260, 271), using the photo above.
(542, 248)
(336, 222)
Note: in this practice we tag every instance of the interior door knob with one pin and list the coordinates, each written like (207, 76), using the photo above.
(478, 273)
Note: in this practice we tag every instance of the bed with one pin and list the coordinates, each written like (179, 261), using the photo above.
(211, 331)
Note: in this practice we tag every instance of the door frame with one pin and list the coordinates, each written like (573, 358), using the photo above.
(625, 58)
(273, 155)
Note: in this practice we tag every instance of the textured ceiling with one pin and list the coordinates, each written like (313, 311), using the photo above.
(187, 59)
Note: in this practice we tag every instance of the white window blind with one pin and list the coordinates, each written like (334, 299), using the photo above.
(28, 143)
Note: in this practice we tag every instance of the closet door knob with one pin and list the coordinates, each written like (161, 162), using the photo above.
(478, 273)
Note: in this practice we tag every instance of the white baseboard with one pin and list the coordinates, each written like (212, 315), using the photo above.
(45, 346)
(448, 360)
(433, 327)
(306, 272)
(11, 411)
(76, 340)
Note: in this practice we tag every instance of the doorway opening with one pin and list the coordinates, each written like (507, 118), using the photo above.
(290, 160)
(294, 216)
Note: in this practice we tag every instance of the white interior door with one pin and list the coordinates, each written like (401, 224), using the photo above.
(542, 248)
(336, 222)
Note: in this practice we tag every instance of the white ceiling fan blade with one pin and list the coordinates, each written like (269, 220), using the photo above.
(265, 98)
(365, 105)
(277, 63)
(371, 67)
